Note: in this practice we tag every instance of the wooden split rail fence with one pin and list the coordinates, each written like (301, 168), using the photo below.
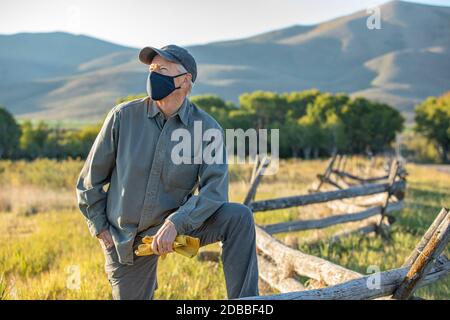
(280, 265)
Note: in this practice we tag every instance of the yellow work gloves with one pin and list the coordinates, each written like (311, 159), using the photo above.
(184, 245)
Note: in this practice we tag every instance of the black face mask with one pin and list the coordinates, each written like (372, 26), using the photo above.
(160, 86)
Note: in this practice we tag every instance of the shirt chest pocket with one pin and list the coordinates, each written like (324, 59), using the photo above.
(181, 176)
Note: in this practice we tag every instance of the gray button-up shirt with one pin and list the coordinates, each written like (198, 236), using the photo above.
(129, 184)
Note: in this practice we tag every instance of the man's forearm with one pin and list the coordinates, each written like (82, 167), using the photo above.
(212, 194)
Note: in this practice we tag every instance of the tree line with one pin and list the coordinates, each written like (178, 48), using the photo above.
(312, 124)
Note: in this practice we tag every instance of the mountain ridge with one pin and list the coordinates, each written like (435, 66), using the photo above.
(401, 64)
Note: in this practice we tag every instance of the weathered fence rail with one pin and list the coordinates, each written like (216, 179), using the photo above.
(358, 289)
(393, 187)
(362, 180)
(426, 265)
(302, 200)
(303, 264)
(280, 265)
(300, 225)
(336, 175)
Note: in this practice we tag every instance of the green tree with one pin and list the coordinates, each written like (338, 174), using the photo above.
(34, 139)
(311, 136)
(266, 108)
(334, 131)
(77, 143)
(322, 126)
(327, 104)
(433, 121)
(370, 126)
(290, 135)
(9, 134)
(216, 107)
(298, 101)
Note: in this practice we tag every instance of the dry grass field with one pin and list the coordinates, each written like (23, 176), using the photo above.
(46, 251)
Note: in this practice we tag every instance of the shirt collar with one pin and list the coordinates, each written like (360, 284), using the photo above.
(183, 112)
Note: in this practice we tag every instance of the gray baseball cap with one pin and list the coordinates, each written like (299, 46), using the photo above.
(172, 53)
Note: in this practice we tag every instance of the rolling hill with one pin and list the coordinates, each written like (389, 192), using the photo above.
(64, 76)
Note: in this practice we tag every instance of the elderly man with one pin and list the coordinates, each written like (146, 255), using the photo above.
(130, 186)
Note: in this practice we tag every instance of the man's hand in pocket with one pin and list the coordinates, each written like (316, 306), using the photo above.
(106, 239)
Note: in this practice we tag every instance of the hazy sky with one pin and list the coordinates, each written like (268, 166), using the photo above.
(157, 22)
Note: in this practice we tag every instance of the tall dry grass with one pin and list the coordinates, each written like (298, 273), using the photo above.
(45, 244)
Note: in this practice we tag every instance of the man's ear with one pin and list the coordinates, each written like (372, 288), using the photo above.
(186, 80)
(189, 77)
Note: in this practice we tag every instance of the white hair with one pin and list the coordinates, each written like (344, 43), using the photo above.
(182, 69)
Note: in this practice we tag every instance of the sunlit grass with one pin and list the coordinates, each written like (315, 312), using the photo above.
(42, 250)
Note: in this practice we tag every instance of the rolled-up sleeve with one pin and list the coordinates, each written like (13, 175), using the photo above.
(96, 173)
(213, 192)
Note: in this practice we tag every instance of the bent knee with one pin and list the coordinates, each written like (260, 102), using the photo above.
(239, 212)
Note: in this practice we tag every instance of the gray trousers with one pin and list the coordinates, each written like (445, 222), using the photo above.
(232, 224)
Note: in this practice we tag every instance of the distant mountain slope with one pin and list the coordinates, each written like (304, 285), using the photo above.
(28, 56)
(59, 75)
(404, 62)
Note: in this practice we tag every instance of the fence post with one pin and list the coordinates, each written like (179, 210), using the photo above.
(327, 171)
(424, 261)
(392, 175)
(257, 176)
